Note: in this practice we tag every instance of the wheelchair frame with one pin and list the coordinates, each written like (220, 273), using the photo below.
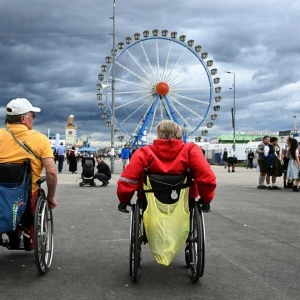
(195, 254)
(42, 234)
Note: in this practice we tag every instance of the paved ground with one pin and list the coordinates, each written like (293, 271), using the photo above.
(253, 248)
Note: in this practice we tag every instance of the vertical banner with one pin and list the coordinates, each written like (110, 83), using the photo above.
(57, 138)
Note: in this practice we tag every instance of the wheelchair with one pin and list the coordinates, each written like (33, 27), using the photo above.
(195, 243)
(35, 229)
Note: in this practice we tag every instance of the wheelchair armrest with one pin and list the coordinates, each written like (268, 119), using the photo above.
(41, 180)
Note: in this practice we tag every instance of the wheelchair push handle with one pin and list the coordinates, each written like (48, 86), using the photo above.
(41, 180)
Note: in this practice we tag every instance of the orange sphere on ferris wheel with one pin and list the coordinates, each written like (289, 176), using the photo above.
(162, 88)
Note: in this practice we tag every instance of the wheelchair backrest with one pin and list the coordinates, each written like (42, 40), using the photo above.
(14, 172)
(15, 190)
(166, 188)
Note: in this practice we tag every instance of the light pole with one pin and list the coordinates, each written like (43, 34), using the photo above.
(233, 110)
(112, 138)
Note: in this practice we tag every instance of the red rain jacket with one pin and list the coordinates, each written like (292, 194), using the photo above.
(170, 156)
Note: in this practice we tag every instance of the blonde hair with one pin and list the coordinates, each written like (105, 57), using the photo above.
(168, 129)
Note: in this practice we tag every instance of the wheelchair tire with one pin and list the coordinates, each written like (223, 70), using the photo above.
(197, 243)
(135, 243)
(43, 235)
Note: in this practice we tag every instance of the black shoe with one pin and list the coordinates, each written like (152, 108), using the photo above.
(105, 183)
(262, 187)
(122, 207)
(232, 171)
(228, 171)
(270, 188)
(275, 187)
(295, 189)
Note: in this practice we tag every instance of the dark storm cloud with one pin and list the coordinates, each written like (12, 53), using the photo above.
(51, 53)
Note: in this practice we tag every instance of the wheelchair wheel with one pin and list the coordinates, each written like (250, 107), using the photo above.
(43, 235)
(197, 243)
(135, 242)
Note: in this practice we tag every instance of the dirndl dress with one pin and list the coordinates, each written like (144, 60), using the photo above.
(292, 170)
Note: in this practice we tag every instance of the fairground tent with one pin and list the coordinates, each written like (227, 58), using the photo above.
(88, 149)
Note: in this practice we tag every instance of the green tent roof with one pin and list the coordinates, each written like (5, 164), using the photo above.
(240, 137)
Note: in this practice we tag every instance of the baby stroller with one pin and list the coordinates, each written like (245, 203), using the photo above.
(87, 175)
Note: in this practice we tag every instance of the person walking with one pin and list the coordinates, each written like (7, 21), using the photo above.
(224, 157)
(61, 152)
(72, 160)
(294, 163)
(262, 161)
(125, 155)
(250, 159)
(20, 115)
(103, 171)
(272, 162)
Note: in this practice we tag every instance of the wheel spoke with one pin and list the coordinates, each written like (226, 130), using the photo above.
(157, 59)
(187, 108)
(189, 89)
(133, 113)
(131, 92)
(188, 98)
(130, 102)
(177, 62)
(140, 66)
(134, 74)
(178, 112)
(130, 82)
(148, 61)
(167, 61)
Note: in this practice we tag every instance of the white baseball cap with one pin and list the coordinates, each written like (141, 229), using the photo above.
(20, 106)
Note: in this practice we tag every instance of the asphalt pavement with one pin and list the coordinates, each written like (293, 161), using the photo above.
(252, 248)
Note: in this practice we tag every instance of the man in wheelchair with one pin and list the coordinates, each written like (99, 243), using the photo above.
(168, 155)
(19, 143)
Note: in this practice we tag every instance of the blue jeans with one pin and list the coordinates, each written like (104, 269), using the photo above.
(61, 159)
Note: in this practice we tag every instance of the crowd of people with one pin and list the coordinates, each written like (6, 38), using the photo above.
(273, 162)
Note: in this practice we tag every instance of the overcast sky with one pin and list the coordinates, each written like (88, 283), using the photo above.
(51, 53)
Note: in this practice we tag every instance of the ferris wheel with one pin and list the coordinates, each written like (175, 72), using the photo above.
(159, 77)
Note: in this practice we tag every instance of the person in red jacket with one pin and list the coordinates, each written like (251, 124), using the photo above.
(168, 155)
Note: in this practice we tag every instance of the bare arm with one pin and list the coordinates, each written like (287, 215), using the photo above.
(51, 179)
(297, 158)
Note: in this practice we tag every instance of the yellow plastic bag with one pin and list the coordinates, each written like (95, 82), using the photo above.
(166, 225)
